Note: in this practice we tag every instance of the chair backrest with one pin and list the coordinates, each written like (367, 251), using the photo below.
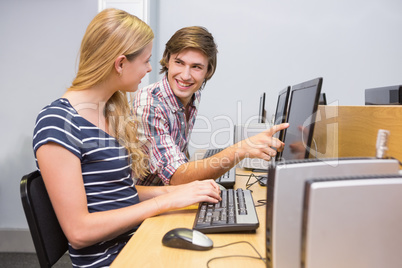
(48, 238)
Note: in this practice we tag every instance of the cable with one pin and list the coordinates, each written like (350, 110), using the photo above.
(258, 179)
(261, 202)
(248, 185)
(234, 256)
(244, 175)
(237, 256)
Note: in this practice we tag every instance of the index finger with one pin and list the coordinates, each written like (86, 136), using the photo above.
(276, 128)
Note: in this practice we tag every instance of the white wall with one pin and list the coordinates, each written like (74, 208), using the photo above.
(267, 45)
(263, 45)
(39, 43)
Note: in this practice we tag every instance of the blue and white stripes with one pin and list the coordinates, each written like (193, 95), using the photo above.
(106, 171)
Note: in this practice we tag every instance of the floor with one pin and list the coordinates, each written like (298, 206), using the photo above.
(28, 260)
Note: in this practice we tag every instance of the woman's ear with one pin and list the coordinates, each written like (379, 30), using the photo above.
(118, 63)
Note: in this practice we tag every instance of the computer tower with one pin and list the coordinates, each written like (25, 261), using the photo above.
(285, 193)
(352, 222)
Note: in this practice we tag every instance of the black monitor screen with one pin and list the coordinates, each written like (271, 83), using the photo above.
(282, 106)
(261, 111)
(303, 105)
(281, 113)
(323, 99)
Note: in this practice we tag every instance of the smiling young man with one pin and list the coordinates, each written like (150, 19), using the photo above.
(167, 112)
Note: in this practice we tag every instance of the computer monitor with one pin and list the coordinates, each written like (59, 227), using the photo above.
(352, 221)
(390, 95)
(303, 103)
(285, 193)
(281, 113)
(246, 131)
(261, 110)
(323, 99)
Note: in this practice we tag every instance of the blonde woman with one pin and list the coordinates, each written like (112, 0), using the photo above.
(86, 149)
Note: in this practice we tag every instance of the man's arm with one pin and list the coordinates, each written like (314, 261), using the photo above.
(258, 146)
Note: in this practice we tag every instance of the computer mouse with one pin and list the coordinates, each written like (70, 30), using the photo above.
(187, 239)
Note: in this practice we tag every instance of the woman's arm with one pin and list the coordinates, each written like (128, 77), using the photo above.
(61, 172)
(183, 195)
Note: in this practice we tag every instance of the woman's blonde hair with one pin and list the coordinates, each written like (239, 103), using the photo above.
(110, 34)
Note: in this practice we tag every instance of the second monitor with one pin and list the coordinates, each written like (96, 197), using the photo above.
(303, 103)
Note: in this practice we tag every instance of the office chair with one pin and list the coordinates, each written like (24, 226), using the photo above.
(48, 238)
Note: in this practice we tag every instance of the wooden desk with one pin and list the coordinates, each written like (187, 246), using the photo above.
(145, 248)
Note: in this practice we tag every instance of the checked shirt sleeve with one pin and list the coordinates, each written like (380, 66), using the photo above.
(155, 132)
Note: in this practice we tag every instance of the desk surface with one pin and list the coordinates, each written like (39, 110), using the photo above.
(145, 248)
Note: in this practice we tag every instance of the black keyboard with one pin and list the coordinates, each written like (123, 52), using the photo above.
(235, 213)
(228, 179)
(212, 151)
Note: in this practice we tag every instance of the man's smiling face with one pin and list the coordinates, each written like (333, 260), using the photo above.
(186, 73)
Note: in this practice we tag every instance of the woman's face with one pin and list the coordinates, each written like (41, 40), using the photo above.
(133, 71)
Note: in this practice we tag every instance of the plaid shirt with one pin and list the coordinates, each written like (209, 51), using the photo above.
(163, 130)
